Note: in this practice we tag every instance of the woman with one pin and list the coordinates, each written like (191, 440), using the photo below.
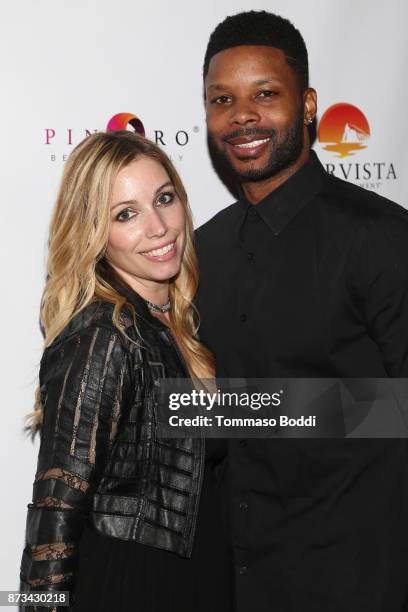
(115, 517)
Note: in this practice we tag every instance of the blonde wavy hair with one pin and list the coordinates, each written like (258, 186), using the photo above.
(78, 238)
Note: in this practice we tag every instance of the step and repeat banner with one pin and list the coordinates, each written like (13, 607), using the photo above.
(70, 68)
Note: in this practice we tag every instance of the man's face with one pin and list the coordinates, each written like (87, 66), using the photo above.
(255, 111)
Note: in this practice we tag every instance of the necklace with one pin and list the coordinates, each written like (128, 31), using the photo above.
(155, 308)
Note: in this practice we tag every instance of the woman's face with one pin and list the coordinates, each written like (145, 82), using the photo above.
(147, 227)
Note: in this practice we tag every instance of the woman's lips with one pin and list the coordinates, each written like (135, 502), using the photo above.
(244, 148)
(163, 253)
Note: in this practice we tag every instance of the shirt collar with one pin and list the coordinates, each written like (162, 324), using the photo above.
(279, 207)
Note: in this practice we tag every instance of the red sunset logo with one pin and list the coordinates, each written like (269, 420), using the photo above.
(122, 121)
(345, 128)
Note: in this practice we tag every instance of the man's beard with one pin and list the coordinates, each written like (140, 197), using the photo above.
(286, 150)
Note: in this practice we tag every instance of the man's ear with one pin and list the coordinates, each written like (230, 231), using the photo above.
(309, 105)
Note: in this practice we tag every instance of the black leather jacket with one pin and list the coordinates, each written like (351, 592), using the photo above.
(100, 460)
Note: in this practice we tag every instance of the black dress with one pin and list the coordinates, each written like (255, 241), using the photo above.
(121, 576)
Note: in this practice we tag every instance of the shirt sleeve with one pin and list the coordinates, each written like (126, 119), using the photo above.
(380, 278)
(85, 382)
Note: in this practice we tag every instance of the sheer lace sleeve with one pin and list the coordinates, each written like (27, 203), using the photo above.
(85, 383)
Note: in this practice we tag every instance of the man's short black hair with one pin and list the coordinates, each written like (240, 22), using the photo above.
(261, 28)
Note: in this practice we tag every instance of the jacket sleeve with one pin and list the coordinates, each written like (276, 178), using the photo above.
(85, 383)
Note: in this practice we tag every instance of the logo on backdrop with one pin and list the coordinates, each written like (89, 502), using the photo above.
(176, 141)
(344, 132)
(122, 121)
(345, 128)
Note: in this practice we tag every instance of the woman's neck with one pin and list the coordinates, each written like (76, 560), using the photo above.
(156, 292)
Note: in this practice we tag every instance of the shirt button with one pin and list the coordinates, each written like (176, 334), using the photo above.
(250, 256)
(243, 506)
(243, 443)
(243, 318)
(243, 570)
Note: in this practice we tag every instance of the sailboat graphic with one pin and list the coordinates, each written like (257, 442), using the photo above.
(352, 133)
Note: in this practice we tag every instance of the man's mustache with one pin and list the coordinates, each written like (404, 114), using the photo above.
(245, 132)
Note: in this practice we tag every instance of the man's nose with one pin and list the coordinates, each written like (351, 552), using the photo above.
(244, 112)
(155, 224)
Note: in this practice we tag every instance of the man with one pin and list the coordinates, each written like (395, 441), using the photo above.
(305, 276)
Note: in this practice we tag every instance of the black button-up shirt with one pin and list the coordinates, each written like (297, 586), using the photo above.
(312, 282)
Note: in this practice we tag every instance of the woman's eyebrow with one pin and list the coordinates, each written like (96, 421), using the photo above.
(133, 201)
(127, 202)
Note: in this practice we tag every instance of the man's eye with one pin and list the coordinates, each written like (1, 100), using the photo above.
(125, 215)
(165, 198)
(266, 93)
(221, 100)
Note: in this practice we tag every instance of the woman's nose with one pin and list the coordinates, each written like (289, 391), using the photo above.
(155, 225)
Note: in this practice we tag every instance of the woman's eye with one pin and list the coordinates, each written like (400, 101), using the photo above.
(125, 215)
(165, 198)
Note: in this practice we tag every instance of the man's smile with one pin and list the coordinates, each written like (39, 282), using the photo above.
(248, 146)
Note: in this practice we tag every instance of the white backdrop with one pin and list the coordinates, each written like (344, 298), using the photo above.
(69, 65)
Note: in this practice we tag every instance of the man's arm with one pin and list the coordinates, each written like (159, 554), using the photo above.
(380, 279)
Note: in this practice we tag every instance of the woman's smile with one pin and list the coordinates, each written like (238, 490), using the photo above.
(161, 253)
